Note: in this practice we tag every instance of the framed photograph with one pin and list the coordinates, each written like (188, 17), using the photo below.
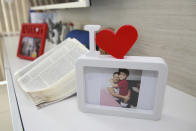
(55, 26)
(32, 41)
(130, 87)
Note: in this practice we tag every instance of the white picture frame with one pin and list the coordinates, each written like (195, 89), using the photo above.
(146, 64)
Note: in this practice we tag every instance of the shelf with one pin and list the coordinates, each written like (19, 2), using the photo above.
(79, 4)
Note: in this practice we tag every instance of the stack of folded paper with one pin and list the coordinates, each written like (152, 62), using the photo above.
(51, 77)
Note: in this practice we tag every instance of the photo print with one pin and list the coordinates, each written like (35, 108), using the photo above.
(113, 87)
(30, 47)
(57, 29)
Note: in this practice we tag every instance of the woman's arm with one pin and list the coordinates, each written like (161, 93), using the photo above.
(113, 84)
(125, 98)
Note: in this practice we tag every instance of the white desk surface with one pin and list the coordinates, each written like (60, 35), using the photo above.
(179, 112)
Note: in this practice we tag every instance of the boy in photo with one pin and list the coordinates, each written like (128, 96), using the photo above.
(122, 85)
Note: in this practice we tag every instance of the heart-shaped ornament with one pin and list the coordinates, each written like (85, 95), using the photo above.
(117, 44)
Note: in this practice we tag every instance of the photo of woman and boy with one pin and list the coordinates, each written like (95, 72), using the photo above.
(125, 92)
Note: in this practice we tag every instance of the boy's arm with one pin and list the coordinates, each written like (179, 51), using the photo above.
(129, 93)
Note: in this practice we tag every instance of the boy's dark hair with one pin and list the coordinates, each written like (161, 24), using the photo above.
(115, 73)
(124, 71)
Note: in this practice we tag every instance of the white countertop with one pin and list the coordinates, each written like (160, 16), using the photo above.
(179, 112)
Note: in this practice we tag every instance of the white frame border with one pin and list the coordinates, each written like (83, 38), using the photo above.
(129, 62)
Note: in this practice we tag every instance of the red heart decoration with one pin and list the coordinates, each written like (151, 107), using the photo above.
(117, 44)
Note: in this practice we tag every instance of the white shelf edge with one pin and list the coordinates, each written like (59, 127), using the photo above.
(14, 109)
(79, 4)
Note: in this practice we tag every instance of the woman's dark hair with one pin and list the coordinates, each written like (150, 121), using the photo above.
(115, 73)
(124, 71)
